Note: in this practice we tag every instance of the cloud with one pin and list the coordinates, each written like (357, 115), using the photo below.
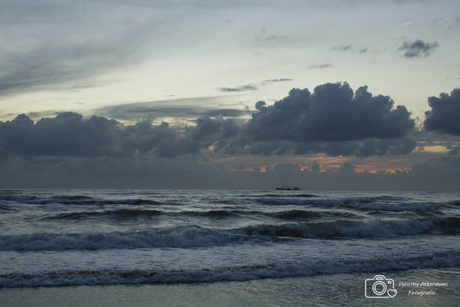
(66, 134)
(319, 66)
(225, 113)
(418, 48)
(342, 48)
(261, 36)
(445, 113)
(454, 150)
(252, 86)
(277, 80)
(331, 114)
(241, 88)
(362, 149)
(46, 46)
(163, 142)
(207, 127)
(177, 108)
(346, 48)
(69, 134)
(332, 120)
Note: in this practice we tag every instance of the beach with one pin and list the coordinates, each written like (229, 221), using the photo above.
(319, 290)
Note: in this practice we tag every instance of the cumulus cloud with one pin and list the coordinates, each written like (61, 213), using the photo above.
(66, 134)
(330, 114)
(445, 113)
(332, 120)
(418, 48)
(69, 134)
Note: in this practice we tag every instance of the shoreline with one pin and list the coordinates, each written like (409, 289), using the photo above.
(319, 290)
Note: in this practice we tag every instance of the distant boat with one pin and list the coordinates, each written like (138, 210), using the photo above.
(288, 188)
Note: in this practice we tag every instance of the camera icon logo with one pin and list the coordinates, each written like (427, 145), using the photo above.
(380, 287)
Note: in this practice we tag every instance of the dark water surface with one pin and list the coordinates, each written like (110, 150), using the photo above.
(109, 237)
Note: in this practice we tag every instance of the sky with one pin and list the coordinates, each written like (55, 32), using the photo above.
(348, 94)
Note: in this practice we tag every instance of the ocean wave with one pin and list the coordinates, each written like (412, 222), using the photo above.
(142, 213)
(175, 237)
(213, 214)
(7, 192)
(242, 272)
(303, 195)
(360, 203)
(7, 209)
(350, 229)
(191, 236)
(392, 206)
(74, 199)
(120, 213)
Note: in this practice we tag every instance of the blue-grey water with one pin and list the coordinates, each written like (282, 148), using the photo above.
(101, 237)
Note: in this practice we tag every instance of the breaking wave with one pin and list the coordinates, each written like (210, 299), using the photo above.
(198, 237)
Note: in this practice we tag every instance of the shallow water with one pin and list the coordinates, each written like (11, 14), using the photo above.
(319, 290)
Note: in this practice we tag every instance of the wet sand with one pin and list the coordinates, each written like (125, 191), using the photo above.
(320, 290)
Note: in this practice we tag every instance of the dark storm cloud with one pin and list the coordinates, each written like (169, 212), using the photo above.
(242, 88)
(418, 48)
(217, 131)
(331, 114)
(454, 150)
(66, 134)
(144, 137)
(332, 120)
(225, 113)
(445, 113)
(69, 134)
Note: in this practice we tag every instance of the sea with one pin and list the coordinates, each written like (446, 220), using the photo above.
(51, 238)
